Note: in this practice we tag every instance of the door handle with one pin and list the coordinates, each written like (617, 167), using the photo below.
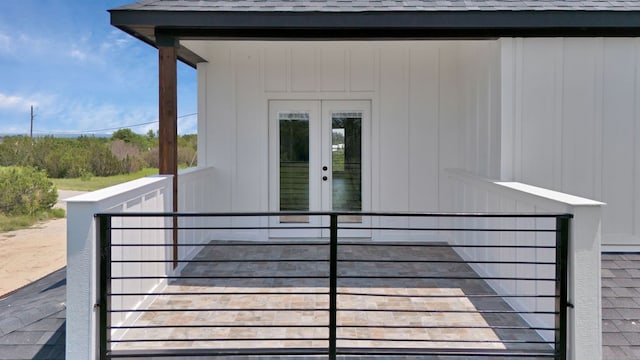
(324, 178)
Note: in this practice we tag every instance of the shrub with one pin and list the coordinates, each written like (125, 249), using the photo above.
(25, 191)
(103, 162)
(16, 150)
(84, 157)
(187, 156)
(142, 142)
(128, 155)
(152, 157)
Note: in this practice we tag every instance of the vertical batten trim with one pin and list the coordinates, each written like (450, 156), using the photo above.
(409, 108)
(558, 121)
(439, 114)
(635, 161)
(598, 108)
(519, 107)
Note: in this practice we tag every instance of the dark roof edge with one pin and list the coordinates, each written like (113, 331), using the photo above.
(379, 19)
(185, 55)
(371, 25)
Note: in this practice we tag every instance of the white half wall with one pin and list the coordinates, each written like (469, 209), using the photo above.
(151, 194)
(584, 318)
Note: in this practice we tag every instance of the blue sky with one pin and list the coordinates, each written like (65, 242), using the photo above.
(80, 73)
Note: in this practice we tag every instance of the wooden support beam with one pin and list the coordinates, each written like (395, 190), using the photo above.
(168, 123)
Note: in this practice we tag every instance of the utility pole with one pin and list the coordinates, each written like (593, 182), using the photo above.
(31, 131)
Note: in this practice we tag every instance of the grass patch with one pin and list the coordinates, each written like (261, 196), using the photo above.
(10, 223)
(98, 182)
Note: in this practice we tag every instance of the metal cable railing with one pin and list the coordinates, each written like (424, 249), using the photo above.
(472, 285)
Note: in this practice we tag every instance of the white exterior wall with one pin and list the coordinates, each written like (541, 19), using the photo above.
(571, 123)
(435, 105)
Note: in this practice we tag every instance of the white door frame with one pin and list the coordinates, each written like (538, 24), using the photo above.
(320, 192)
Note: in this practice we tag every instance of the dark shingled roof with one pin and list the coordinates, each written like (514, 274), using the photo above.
(33, 318)
(621, 306)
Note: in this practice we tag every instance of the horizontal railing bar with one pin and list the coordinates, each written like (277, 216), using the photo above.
(257, 243)
(337, 213)
(218, 293)
(448, 229)
(441, 277)
(381, 277)
(218, 339)
(216, 277)
(507, 246)
(339, 310)
(219, 309)
(497, 327)
(446, 261)
(221, 228)
(252, 244)
(464, 296)
(338, 338)
(449, 311)
(327, 228)
(188, 352)
(214, 326)
(376, 244)
(447, 352)
(213, 261)
(326, 277)
(506, 341)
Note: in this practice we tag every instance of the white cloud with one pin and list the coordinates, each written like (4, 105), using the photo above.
(15, 102)
(16, 43)
(36, 46)
(116, 39)
(5, 43)
(78, 54)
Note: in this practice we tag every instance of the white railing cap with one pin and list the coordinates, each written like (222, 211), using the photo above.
(549, 194)
(120, 189)
(551, 197)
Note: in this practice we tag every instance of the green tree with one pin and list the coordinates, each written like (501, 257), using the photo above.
(25, 191)
(141, 141)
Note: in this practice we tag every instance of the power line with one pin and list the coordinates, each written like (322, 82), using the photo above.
(106, 129)
(187, 115)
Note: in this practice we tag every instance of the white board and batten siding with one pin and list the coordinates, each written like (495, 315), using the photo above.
(435, 105)
(571, 123)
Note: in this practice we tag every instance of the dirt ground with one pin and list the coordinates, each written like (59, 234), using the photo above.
(29, 254)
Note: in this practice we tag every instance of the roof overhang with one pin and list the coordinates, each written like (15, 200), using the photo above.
(152, 25)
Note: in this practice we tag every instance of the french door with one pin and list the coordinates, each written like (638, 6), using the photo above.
(319, 160)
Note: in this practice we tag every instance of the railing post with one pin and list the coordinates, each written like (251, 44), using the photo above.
(333, 285)
(562, 268)
(104, 257)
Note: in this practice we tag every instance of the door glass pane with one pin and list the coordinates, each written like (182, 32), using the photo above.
(346, 161)
(294, 164)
